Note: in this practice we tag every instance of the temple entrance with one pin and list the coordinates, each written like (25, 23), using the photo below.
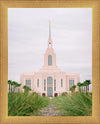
(43, 94)
(49, 87)
(56, 94)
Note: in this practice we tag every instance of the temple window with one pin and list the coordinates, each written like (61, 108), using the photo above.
(44, 85)
(38, 83)
(49, 60)
(71, 83)
(54, 85)
(61, 83)
(28, 83)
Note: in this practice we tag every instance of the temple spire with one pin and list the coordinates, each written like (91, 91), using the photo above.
(49, 40)
(49, 29)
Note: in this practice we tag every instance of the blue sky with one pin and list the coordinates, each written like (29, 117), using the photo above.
(71, 32)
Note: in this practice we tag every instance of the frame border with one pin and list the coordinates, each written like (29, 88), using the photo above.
(4, 5)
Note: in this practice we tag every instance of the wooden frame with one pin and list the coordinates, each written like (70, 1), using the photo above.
(4, 5)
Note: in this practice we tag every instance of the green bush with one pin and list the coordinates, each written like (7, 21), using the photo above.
(24, 104)
(64, 94)
(77, 104)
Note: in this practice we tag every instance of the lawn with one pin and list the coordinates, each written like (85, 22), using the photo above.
(77, 104)
(25, 104)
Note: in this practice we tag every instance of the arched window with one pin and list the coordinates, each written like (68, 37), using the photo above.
(44, 85)
(49, 87)
(71, 83)
(54, 85)
(61, 83)
(28, 83)
(49, 60)
(38, 83)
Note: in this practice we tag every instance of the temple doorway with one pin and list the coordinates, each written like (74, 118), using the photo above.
(49, 87)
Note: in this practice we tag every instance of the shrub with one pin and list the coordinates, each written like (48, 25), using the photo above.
(78, 104)
(64, 94)
(22, 104)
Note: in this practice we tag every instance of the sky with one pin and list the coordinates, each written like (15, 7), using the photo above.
(71, 32)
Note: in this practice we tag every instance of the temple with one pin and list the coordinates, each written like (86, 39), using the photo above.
(50, 80)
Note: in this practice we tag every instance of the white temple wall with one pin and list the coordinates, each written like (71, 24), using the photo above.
(23, 79)
(55, 76)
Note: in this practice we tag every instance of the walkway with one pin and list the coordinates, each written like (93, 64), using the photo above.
(49, 111)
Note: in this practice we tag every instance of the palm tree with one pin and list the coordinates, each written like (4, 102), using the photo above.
(87, 83)
(82, 85)
(73, 88)
(12, 83)
(79, 85)
(26, 89)
(9, 82)
(18, 85)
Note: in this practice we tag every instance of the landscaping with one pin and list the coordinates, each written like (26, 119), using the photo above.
(30, 103)
(25, 104)
(77, 104)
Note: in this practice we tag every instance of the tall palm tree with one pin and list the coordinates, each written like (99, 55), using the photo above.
(12, 83)
(18, 85)
(9, 82)
(79, 85)
(82, 85)
(87, 83)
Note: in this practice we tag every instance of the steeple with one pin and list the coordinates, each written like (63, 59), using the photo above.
(50, 57)
(49, 28)
(49, 40)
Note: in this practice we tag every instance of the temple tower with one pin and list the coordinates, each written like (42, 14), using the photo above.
(50, 56)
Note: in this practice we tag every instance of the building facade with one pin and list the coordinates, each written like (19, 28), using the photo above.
(50, 80)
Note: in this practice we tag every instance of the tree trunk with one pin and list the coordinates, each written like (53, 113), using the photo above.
(79, 89)
(14, 88)
(9, 88)
(82, 88)
(18, 89)
(86, 88)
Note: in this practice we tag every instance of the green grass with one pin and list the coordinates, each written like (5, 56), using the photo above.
(23, 104)
(78, 104)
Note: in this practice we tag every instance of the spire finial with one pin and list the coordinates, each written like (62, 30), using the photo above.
(49, 29)
(49, 41)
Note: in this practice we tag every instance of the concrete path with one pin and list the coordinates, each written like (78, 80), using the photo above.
(49, 111)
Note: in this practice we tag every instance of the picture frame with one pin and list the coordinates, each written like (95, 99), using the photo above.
(95, 5)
